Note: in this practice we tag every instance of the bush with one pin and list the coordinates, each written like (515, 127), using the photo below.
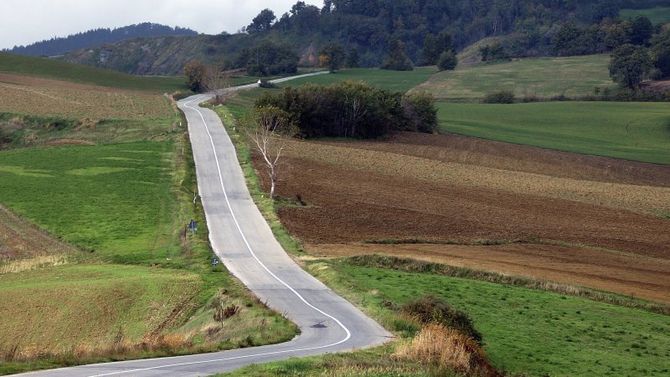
(420, 112)
(447, 61)
(431, 309)
(352, 109)
(503, 96)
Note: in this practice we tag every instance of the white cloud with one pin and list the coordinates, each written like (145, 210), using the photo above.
(24, 22)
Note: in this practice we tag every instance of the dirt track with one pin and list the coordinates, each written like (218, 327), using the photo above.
(357, 191)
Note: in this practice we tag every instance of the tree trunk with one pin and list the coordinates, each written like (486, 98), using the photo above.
(273, 182)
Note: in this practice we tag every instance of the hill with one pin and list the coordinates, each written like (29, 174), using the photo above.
(368, 27)
(539, 77)
(97, 37)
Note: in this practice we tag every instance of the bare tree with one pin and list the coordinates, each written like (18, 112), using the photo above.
(216, 79)
(268, 132)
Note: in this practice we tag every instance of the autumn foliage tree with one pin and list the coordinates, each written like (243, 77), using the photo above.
(196, 76)
(397, 59)
(332, 56)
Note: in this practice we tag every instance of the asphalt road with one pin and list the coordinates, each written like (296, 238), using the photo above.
(244, 242)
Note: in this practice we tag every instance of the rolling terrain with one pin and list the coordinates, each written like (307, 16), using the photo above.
(97, 182)
(569, 245)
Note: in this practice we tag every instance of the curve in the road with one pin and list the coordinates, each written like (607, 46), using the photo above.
(244, 242)
(250, 249)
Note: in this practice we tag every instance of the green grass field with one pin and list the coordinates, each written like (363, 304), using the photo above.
(634, 131)
(541, 77)
(391, 80)
(657, 15)
(525, 331)
(113, 199)
(60, 70)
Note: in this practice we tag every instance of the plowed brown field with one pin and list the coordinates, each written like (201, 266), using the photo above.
(469, 191)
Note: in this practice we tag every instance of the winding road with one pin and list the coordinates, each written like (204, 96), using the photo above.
(244, 242)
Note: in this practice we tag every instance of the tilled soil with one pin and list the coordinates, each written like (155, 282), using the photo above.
(525, 158)
(348, 204)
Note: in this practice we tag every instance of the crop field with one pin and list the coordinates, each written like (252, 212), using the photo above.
(596, 268)
(657, 15)
(60, 70)
(633, 131)
(20, 240)
(542, 77)
(579, 337)
(43, 97)
(573, 224)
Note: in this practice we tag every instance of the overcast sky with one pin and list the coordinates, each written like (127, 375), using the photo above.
(26, 21)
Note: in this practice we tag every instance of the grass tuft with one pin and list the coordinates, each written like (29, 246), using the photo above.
(447, 349)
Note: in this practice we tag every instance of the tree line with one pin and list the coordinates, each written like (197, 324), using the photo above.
(370, 29)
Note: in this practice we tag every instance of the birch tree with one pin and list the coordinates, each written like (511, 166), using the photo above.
(268, 133)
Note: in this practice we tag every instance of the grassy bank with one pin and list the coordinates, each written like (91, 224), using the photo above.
(633, 131)
(579, 336)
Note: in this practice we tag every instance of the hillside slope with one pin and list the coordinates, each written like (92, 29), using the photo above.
(98, 37)
(366, 27)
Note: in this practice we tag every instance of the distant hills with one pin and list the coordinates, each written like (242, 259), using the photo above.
(364, 29)
(98, 37)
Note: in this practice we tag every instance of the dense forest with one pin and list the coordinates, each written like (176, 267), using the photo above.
(532, 27)
(367, 29)
(98, 37)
